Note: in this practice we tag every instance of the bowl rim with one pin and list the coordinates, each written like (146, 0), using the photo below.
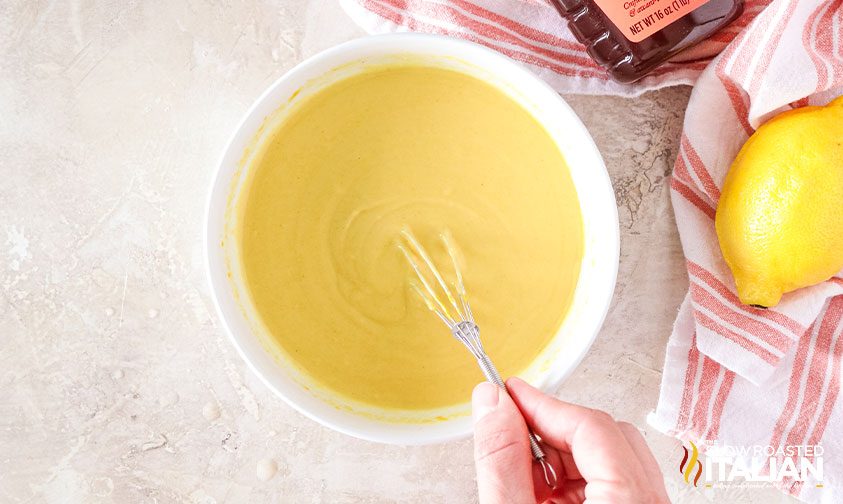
(460, 428)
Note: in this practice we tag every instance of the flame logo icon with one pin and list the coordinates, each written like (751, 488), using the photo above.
(686, 467)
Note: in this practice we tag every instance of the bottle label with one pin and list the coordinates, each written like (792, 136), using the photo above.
(638, 19)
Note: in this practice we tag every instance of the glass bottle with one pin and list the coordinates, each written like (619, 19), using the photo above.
(632, 37)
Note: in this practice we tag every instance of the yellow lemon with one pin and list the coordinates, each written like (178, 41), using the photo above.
(780, 215)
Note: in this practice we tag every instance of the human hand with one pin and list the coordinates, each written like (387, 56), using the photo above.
(596, 458)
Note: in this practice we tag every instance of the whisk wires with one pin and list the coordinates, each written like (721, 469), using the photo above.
(455, 312)
(454, 307)
(448, 302)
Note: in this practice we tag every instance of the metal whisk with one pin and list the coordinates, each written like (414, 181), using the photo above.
(460, 320)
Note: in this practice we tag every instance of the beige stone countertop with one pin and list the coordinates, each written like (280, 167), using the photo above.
(117, 383)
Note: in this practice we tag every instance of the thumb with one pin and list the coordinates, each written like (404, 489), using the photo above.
(501, 449)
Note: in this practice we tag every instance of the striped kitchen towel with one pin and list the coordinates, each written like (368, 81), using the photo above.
(764, 382)
(734, 375)
(532, 32)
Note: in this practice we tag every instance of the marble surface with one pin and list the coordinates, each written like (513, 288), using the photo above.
(117, 383)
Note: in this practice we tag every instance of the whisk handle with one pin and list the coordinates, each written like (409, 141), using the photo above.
(491, 373)
(469, 334)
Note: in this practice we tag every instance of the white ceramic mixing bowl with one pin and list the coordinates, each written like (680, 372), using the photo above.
(599, 266)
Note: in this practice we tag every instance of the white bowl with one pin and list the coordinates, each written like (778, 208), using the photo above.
(600, 223)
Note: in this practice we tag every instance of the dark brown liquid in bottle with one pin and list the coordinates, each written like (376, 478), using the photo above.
(629, 61)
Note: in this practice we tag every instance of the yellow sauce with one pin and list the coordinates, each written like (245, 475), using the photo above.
(328, 193)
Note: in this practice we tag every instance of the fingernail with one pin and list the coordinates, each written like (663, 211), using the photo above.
(516, 380)
(484, 400)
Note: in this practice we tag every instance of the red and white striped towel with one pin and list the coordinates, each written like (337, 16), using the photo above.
(733, 374)
(532, 32)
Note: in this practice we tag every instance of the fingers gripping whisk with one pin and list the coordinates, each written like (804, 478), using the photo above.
(449, 302)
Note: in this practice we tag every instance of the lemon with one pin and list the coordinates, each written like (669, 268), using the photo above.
(780, 215)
